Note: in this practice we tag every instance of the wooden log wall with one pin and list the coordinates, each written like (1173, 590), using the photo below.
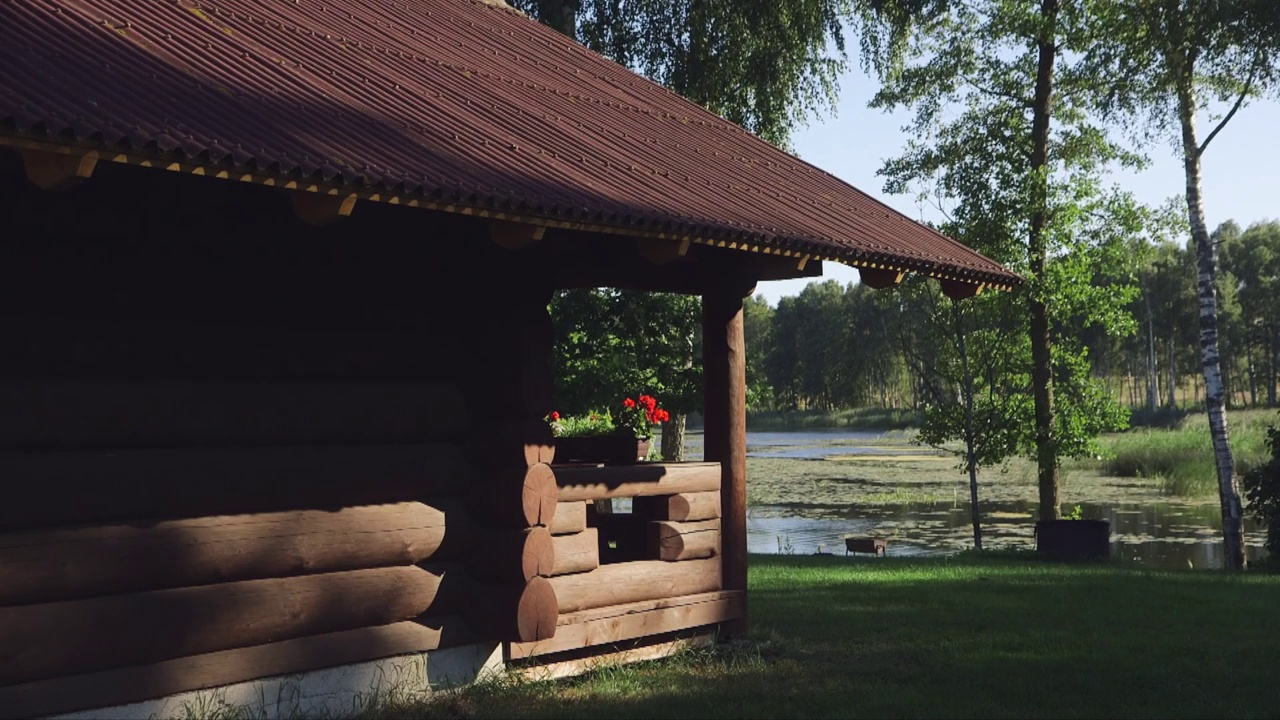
(253, 453)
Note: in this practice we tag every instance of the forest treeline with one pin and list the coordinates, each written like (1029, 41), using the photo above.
(836, 347)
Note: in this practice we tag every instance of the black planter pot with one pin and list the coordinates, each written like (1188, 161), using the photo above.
(1074, 539)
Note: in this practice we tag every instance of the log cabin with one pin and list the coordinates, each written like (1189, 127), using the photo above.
(277, 349)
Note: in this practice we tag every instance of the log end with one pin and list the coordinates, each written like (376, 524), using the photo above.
(538, 557)
(540, 495)
(537, 611)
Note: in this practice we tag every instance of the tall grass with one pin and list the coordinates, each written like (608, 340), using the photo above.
(1182, 457)
(854, 419)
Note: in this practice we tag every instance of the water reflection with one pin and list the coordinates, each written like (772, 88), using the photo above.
(1168, 536)
(1154, 533)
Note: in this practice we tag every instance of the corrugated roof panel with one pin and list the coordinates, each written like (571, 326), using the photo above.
(458, 100)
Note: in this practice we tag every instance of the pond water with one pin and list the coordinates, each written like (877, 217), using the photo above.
(1146, 528)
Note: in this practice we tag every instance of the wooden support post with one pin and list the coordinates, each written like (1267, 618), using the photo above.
(57, 171)
(725, 427)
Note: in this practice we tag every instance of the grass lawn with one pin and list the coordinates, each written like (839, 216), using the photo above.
(983, 637)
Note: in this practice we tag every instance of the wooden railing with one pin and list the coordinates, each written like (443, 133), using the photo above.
(624, 576)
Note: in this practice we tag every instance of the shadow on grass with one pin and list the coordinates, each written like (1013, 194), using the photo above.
(999, 636)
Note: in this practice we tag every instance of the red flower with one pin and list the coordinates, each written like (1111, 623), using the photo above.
(629, 403)
(555, 415)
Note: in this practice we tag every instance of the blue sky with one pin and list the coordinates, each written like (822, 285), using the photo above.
(1241, 167)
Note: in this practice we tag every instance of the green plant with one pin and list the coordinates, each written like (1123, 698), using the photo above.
(634, 417)
(1262, 491)
(1077, 513)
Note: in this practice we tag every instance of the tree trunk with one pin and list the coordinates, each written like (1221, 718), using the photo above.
(1152, 400)
(1207, 271)
(1173, 379)
(970, 439)
(1038, 251)
(673, 438)
(1252, 371)
(1271, 373)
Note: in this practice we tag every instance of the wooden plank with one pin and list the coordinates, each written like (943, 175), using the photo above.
(47, 565)
(207, 670)
(65, 488)
(686, 507)
(556, 670)
(616, 623)
(86, 415)
(570, 518)
(576, 553)
(725, 426)
(635, 581)
(80, 636)
(673, 541)
(639, 480)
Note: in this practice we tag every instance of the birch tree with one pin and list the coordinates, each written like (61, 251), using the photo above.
(1174, 63)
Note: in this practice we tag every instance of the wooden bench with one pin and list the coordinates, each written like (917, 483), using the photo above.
(875, 546)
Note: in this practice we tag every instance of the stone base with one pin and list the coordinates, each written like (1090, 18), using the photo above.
(332, 692)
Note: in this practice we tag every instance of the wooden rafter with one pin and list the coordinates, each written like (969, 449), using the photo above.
(515, 235)
(56, 170)
(318, 209)
(959, 289)
(880, 278)
(661, 252)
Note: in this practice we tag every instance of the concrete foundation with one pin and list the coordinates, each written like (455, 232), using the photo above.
(333, 692)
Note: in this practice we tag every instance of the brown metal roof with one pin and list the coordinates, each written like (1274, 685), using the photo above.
(457, 104)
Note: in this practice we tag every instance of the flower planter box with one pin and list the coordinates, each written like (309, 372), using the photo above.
(605, 449)
(1074, 539)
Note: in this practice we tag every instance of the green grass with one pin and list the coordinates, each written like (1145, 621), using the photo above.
(1182, 457)
(855, 419)
(997, 636)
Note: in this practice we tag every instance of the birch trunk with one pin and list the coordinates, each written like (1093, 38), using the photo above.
(1206, 283)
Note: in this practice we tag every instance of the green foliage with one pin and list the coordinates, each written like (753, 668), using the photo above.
(767, 66)
(592, 423)
(1262, 491)
(609, 342)
(970, 75)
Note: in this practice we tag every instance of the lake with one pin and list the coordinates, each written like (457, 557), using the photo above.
(808, 490)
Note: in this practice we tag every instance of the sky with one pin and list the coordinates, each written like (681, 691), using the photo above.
(1241, 168)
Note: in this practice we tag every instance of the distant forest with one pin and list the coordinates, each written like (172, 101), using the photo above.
(835, 347)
